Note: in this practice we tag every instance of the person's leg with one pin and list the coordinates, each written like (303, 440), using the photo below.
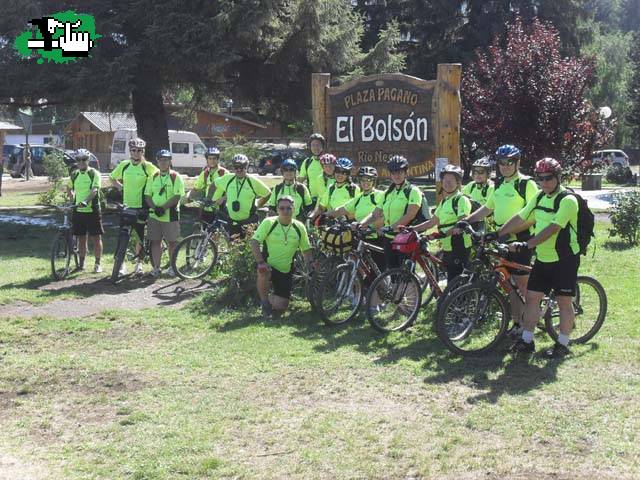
(279, 304)
(517, 308)
(82, 250)
(96, 240)
(156, 253)
(155, 237)
(282, 283)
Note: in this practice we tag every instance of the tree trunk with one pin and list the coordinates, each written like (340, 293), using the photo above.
(150, 115)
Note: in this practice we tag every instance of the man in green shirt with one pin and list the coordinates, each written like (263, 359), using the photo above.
(83, 190)
(311, 170)
(400, 205)
(341, 191)
(239, 192)
(130, 177)
(554, 213)
(453, 207)
(205, 182)
(162, 194)
(291, 188)
(274, 244)
(512, 191)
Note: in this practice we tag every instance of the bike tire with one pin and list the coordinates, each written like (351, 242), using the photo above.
(592, 317)
(457, 282)
(190, 247)
(333, 294)
(119, 255)
(60, 256)
(384, 289)
(467, 301)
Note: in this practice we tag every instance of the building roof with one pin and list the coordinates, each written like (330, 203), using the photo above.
(6, 126)
(237, 119)
(110, 122)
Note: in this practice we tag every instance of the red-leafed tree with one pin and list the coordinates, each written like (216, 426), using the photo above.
(522, 91)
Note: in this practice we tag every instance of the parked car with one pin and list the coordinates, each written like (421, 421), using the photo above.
(611, 158)
(38, 153)
(7, 151)
(276, 154)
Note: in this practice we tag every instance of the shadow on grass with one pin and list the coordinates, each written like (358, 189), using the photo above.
(617, 245)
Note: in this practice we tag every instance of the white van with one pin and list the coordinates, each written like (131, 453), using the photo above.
(187, 149)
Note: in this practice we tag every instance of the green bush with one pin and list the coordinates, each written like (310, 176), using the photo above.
(56, 170)
(625, 216)
(237, 145)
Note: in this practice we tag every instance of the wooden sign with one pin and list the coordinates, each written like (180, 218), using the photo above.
(372, 118)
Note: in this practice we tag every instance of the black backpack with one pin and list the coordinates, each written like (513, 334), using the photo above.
(298, 187)
(423, 214)
(585, 228)
(372, 196)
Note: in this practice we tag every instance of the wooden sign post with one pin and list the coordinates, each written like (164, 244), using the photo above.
(372, 118)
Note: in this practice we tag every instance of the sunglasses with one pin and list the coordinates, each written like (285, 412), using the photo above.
(137, 150)
(545, 178)
(239, 167)
(341, 172)
(366, 179)
(285, 209)
(507, 162)
(479, 171)
(288, 169)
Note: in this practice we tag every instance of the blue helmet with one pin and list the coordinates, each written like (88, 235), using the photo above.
(508, 151)
(212, 151)
(289, 163)
(163, 154)
(344, 163)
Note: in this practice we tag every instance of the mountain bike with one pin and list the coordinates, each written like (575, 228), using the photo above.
(473, 318)
(395, 296)
(65, 245)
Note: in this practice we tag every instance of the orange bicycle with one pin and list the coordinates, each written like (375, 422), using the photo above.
(473, 318)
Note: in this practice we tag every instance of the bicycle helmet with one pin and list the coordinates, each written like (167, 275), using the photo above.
(137, 143)
(396, 163)
(316, 136)
(368, 172)
(548, 165)
(240, 159)
(484, 162)
(453, 169)
(508, 151)
(327, 159)
(345, 164)
(82, 154)
(163, 154)
(289, 163)
(211, 151)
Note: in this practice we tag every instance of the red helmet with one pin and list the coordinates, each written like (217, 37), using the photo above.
(327, 159)
(548, 165)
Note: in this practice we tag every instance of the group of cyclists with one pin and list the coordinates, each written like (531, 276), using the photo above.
(531, 215)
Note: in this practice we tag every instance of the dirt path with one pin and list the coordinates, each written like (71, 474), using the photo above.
(99, 294)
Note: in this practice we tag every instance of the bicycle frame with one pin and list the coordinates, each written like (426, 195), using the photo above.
(420, 256)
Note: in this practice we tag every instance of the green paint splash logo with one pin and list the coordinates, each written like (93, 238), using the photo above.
(62, 37)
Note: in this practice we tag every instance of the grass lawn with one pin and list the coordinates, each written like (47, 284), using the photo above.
(200, 392)
(18, 199)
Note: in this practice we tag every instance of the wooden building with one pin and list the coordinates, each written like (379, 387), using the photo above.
(212, 126)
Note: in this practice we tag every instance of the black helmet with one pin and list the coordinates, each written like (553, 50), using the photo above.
(367, 172)
(317, 136)
(454, 169)
(397, 162)
(484, 162)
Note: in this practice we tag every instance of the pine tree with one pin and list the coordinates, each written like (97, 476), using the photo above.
(633, 115)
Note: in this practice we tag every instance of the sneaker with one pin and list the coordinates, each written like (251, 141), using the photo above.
(79, 268)
(169, 271)
(558, 351)
(155, 272)
(97, 268)
(515, 332)
(267, 310)
(123, 269)
(138, 270)
(520, 346)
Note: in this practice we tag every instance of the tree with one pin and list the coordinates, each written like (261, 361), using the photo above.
(633, 116)
(522, 91)
(630, 16)
(260, 50)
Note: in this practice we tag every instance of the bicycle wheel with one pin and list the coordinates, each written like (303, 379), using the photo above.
(473, 319)
(61, 253)
(300, 276)
(119, 256)
(590, 307)
(452, 286)
(393, 300)
(194, 257)
(340, 295)
(326, 264)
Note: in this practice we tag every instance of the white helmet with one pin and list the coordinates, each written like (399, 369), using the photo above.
(137, 143)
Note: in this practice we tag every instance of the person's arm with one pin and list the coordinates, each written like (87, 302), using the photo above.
(434, 221)
(372, 217)
(340, 212)
(262, 191)
(479, 214)
(149, 201)
(407, 218)
(116, 177)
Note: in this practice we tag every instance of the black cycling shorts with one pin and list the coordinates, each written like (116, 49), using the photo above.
(87, 222)
(281, 283)
(207, 217)
(558, 276)
(523, 257)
